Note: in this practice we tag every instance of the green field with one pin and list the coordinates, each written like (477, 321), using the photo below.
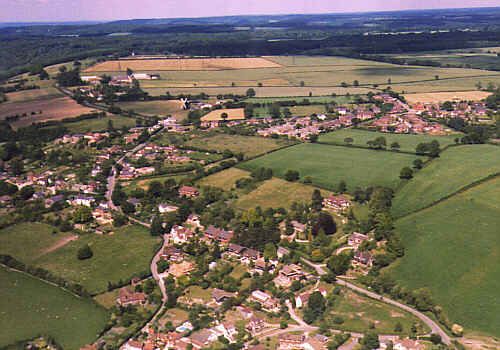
(322, 99)
(158, 108)
(116, 257)
(99, 124)
(453, 248)
(328, 165)
(28, 241)
(30, 307)
(251, 146)
(455, 168)
(32, 95)
(224, 179)
(277, 193)
(408, 143)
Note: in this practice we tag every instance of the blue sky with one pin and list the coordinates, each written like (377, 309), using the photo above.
(79, 10)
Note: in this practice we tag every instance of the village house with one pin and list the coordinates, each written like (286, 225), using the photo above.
(165, 208)
(290, 341)
(281, 252)
(52, 200)
(292, 273)
(355, 239)
(203, 338)
(234, 249)
(363, 258)
(181, 269)
(127, 297)
(302, 299)
(102, 216)
(181, 234)
(268, 302)
(336, 203)
(227, 330)
(220, 295)
(255, 324)
(249, 255)
(172, 254)
(82, 200)
(194, 221)
(188, 191)
(402, 344)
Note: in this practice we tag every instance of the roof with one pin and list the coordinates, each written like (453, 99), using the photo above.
(235, 248)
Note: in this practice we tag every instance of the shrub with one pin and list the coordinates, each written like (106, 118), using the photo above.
(85, 253)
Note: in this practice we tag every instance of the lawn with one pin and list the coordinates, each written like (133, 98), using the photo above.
(251, 146)
(408, 143)
(277, 193)
(453, 249)
(28, 241)
(159, 108)
(455, 168)
(224, 179)
(30, 307)
(328, 165)
(358, 312)
(116, 257)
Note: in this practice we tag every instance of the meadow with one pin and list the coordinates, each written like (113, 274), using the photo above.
(453, 249)
(31, 307)
(408, 143)
(116, 257)
(100, 124)
(275, 193)
(251, 146)
(455, 168)
(225, 179)
(328, 165)
(156, 108)
(30, 95)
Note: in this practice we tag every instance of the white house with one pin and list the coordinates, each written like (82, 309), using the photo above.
(165, 208)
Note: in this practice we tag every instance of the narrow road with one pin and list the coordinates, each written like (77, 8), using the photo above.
(435, 328)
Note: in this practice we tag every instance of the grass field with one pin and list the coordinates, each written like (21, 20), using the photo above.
(52, 109)
(408, 143)
(305, 111)
(28, 241)
(454, 169)
(224, 179)
(232, 114)
(440, 97)
(277, 193)
(30, 95)
(328, 165)
(158, 108)
(30, 307)
(321, 99)
(100, 124)
(116, 257)
(144, 184)
(453, 248)
(251, 146)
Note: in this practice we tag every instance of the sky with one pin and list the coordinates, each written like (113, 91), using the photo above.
(105, 10)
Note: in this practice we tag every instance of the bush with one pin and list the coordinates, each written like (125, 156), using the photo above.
(292, 175)
(85, 253)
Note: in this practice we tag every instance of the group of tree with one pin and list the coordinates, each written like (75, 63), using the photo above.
(430, 149)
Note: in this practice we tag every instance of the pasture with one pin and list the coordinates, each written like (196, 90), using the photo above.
(31, 95)
(31, 307)
(408, 143)
(100, 124)
(277, 193)
(183, 64)
(28, 241)
(156, 108)
(453, 249)
(327, 165)
(225, 179)
(51, 109)
(251, 146)
(116, 257)
(455, 168)
(440, 97)
(232, 114)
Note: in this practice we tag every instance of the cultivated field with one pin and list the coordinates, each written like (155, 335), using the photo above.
(277, 193)
(31, 95)
(440, 97)
(328, 165)
(109, 262)
(251, 146)
(31, 307)
(455, 168)
(453, 249)
(408, 143)
(28, 241)
(175, 64)
(232, 114)
(52, 109)
(158, 108)
(306, 111)
(224, 179)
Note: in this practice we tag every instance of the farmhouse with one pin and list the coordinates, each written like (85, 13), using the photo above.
(363, 258)
(181, 234)
(268, 303)
(188, 191)
(127, 297)
(173, 254)
(290, 341)
(165, 208)
(181, 269)
(255, 324)
(355, 239)
(336, 203)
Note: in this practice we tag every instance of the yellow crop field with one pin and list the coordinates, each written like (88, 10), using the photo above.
(439, 97)
(184, 64)
(232, 114)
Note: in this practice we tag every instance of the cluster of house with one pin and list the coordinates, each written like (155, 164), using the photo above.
(463, 110)
(336, 203)
(300, 128)
(409, 123)
(360, 258)
(90, 137)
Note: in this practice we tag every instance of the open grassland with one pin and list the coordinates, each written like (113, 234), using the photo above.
(28, 241)
(30, 95)
(100, 124)
(30, 307)
(440, 97)
(328, 165)
(277, 193)
(408, 143)
(453, 249)
(175, 64)
(359, 312)
(116, 257)
(224, 179)
(321, 99)
(232, 114)
(52, 109)
(159, 108)
(251, 146)
(455, 168)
